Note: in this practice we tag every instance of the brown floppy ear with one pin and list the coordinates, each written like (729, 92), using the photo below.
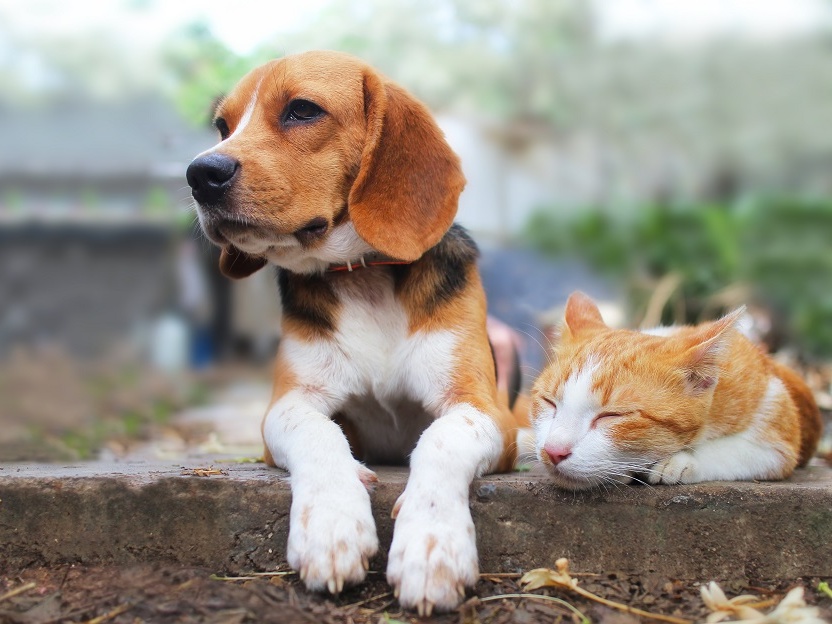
(405, 195)
(237, 264)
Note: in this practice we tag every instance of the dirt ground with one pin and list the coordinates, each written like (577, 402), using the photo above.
(190, 595)
(155, 593)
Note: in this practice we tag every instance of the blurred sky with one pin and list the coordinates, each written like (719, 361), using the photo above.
(244, 24)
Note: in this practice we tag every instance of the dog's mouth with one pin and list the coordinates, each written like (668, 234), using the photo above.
(233, 231)
(254, 237)
(313, 231)
(247, 236)
(225, 230)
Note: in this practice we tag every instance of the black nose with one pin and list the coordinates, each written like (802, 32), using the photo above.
(210, 176)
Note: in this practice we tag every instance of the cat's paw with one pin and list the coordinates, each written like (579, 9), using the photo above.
(432, 560)
(332, 534)
(682, 467)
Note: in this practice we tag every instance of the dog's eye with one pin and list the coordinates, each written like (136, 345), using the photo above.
(222, 126)
(303, 110)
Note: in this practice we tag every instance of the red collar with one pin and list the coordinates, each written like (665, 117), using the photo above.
(362, 264)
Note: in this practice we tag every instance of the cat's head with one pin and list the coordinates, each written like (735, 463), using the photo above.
(613, 402)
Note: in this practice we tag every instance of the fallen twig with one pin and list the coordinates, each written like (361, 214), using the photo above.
(250, 576)
(513, 575)
(110, 615)
(382, 607)
(366, 600)
(19, 590)
(560, 578)
(560, 601)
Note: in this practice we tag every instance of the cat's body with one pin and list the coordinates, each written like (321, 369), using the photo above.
(683, 405)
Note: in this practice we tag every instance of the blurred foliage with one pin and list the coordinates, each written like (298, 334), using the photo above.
(204, 70)
(779, 247)
(158, 201)
(497, 58)
(743, 112)
(696, 111)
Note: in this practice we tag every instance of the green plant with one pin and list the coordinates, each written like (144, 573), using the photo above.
(776, 246)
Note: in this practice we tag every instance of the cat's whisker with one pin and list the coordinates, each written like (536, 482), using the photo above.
(634, 468)
(606, 479)
(530, 370)
(627, 470)
(602, 483)
(543, 334)
(523, 458)
(528, 460)
(630, 478)
(547, 352)
(608, 472)
(648, 470)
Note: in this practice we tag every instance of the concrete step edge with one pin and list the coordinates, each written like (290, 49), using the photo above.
(237, 521)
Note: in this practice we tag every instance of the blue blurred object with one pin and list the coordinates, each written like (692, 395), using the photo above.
(522, 285)
(202, 348)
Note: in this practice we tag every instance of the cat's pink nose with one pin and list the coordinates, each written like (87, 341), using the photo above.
(557, 452)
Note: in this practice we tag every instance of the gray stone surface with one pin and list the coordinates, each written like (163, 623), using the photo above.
(138, 511)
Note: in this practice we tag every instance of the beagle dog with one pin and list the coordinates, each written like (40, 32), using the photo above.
(344, 181)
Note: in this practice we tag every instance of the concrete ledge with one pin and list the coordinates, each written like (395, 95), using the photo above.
(238, 521)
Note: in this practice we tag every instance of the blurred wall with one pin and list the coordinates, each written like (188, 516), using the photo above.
(85, 286)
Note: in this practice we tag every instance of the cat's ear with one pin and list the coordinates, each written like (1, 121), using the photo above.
(706, 348)
(581, 313)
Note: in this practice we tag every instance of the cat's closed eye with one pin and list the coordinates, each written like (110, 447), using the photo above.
(550, 402)
(605, 416)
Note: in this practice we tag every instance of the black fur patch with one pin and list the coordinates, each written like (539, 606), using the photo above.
(442, 273)
(309, 299)
(515, 382)
(436, 278)
(515, 379)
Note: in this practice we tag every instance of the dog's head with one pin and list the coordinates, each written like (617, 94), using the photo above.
(322, 160)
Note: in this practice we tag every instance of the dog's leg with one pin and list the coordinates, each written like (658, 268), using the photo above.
(433, 556)
(332, 534)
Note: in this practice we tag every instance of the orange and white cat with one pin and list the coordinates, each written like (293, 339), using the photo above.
(679, 405)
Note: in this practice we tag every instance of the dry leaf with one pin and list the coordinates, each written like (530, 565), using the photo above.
(791, 610)
(201, 472)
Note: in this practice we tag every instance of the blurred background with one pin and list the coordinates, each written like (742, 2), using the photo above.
(672, 158)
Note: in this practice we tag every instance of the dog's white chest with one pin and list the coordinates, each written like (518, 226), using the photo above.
(373, 362)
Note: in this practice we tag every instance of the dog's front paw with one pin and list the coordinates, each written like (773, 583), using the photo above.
(433, 557)
(332, 534)
(682, 467)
